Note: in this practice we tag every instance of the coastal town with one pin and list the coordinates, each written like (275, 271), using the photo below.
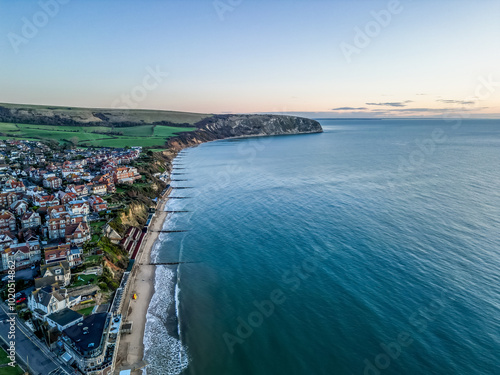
(66, 251)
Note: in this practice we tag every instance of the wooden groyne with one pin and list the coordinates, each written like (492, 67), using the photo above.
(170, 231)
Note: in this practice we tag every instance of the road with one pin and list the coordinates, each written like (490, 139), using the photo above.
(28, 346)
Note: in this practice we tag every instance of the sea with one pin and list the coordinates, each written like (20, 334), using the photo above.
(372, 248)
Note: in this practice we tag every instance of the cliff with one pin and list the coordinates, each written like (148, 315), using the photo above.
(230, 126)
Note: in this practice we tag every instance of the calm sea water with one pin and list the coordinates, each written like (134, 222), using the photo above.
(373, 248)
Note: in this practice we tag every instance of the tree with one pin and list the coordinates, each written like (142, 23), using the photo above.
(74, 140)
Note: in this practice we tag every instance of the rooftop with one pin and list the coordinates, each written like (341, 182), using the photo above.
(86, 336)
(64, 317)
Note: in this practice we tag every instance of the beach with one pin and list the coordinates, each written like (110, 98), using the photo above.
(131, 346)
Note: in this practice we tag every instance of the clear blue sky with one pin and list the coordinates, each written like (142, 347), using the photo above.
(254, 56)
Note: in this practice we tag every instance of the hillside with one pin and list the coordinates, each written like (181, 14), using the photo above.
(147, 128)
(52, 115)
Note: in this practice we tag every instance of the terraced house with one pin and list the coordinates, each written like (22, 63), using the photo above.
(53, 182)
(31, 220)
(77, 234)
(7, 221)
(22, 254)
(59, 253)
(98, 204)
(45, 200)
(8, 198)
(123, 175)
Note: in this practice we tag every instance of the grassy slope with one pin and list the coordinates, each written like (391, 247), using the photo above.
(147, 135)
(145, 116)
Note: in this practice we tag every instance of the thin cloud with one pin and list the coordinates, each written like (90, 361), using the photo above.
(433, 110)
(392, 104)
(450, 101)
(349, 109)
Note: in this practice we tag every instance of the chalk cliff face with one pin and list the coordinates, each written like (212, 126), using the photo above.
(227, 126)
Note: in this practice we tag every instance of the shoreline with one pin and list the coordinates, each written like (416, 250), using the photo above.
(130, 351)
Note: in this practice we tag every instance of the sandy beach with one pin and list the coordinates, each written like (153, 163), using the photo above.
(131, 346)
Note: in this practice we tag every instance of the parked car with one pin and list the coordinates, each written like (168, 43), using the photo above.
(21, 300)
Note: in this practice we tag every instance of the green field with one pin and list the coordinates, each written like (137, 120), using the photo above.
(7, 370)
(168, 131)
(143, 135)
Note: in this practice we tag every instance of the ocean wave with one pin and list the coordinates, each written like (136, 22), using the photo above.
(164, 353)
(163, 349)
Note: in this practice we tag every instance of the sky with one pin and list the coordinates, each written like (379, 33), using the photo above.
(349, 58)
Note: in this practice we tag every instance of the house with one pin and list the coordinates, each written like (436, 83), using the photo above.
(66, 196)
(45, 200)
(7, 198)
(125, 175)
(55, 211)
(99, 189)
(81, 190)
(64, 319)
(7, 221)
(59, 273)
(52, 182)
(27, 235)
(48, 300)
(87, 343)
(15, 185)
(63, 253)
(98, 204)
(79, 208)
(111, 188)
(31, 220)
(57, 253)
(21, 254)
(6, 239)
(19, 207)
(75, 256)
(77, 234)
(57, 227)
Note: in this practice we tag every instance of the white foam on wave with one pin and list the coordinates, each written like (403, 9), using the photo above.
(165, 354)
